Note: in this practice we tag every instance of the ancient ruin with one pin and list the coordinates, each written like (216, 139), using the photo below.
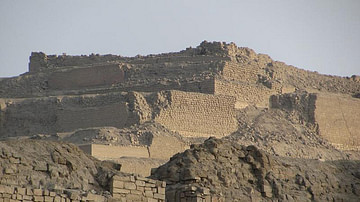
(271, 125)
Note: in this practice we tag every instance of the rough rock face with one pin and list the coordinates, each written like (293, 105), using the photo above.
(239, 173)
(51, 165)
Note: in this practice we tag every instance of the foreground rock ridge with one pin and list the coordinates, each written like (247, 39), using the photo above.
(90, 128)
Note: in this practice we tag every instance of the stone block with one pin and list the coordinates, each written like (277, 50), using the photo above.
(150, 185)
(140, 183)
(29, 192)
(5, 195)
(46, 192)
(38, 192)
(140, 188)
(133, 197)
(161, 190)
(124, 178)
(149, 194)
(20, 190)
(48, 198)
(136, 192)
(26, 197)
(39, 198)
(57, 199)
(19, 196)
(152, 200)
(121, 191)
(129, 185)
(118, 184)
(159, 196)
(6, 189)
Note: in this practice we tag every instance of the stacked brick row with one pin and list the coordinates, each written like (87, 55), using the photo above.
(17, 194)
(190, 193)
(134, 188)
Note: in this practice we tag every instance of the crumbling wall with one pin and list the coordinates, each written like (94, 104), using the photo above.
(28, 117)
(196, 114)
(11, 193)
(335, 117)
(22, 117)
(301, 104)
(70, 119)
(78, 78)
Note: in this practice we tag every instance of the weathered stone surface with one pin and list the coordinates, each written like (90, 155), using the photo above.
(237, 172)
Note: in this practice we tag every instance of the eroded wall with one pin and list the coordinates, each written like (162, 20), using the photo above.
(49, 115)
(335, 117)
(196, 114)
(88, 77)
(246, 94)
(338, 117)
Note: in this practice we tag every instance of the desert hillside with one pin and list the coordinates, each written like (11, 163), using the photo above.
(213, 123)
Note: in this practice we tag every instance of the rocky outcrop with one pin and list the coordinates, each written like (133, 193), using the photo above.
(243, 173)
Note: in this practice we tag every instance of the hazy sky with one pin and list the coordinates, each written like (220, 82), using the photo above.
(318, 35)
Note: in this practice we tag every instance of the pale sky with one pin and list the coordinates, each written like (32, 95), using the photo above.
(317, 35)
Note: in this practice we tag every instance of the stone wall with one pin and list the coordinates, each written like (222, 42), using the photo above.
(196, 114)
(18, 194)
(134, 188)
(122, 188)
(77, 78)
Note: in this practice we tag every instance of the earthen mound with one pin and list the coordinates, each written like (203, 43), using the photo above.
(283, 133)
(239, 173)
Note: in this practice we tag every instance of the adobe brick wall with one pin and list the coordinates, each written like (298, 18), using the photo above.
(78, 78)
(240, 72)
(336, 117)
(106, 152)
(48, 115)
(193, 114)
(245, 93)
(70, 119)
(155, 150)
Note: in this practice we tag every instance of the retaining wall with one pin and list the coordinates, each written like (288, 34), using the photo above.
(338, 117)
(78, 78)
(22, 117)
(245, 93)
(196, 114)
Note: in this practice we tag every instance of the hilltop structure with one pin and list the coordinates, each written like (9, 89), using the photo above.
(142, 110)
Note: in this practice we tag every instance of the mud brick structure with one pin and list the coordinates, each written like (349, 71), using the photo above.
(335, 116)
